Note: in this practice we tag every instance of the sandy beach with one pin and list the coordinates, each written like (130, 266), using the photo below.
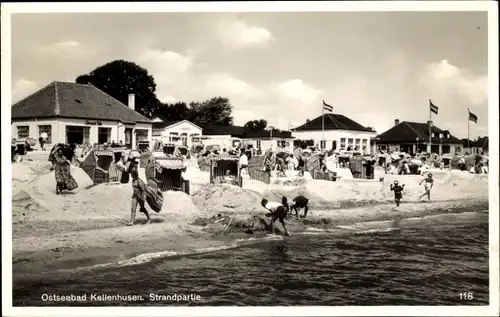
(87, 227)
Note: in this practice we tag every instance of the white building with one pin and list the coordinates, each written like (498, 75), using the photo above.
(340, 133)
(79, 114)
(177, 132)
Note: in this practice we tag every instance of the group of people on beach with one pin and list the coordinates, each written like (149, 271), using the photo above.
(279, 211)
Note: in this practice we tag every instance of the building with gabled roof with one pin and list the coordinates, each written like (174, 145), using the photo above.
(340, 133)
(413, 137)
(81, 114)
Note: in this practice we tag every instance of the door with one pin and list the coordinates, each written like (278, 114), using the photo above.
(128, 138)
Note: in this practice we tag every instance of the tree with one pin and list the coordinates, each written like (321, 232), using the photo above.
(256, 125)
(120, 78)
(173, 112)
(216, 111)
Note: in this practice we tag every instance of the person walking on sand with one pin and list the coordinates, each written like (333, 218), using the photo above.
(298, 203)
(243, 161)
(429, 183)
(62, 170)
(398, 192)
(277, 212)
(138, 196)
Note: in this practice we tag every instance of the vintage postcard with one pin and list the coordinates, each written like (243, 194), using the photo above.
(250, 159)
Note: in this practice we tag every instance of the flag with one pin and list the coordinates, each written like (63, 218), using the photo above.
(327, 107)
(472, 117)
(433, 107)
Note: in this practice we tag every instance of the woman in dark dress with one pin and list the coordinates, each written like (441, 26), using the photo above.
(62, 167)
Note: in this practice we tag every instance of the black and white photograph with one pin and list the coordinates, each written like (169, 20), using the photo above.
(203, 155)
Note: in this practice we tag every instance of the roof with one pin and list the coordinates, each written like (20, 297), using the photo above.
(163, 124)
(72, 100)
(479, 143)
(160, 125)
(409, 131)
(234, 131)
(332, 122)
(267, 135)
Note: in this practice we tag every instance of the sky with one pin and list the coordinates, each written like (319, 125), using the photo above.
(373, 67)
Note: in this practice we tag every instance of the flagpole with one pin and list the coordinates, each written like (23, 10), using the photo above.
(430, 128)
(468, 129)
(322, 126)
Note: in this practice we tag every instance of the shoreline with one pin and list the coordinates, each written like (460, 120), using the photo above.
(75, 249)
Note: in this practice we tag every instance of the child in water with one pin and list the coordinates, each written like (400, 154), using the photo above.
(398, 192)
(429, 183)
(277, 211)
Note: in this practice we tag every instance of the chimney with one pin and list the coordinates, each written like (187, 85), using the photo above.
(131, 101)
(396, 122)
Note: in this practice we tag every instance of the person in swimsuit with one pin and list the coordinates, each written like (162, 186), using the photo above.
(429, 183)
(398, 192)
(139, 195)
(277, 211)
(298, 203)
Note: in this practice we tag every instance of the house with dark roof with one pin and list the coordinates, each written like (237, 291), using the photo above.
(478, 146)
(339, 133)
(81, 114)
(413, 137)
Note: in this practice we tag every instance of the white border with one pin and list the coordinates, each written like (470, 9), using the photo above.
(489, 6)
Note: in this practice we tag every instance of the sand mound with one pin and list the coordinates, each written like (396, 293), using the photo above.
(48, 182)
(225, 197)
(179, 203)
(117, 199)
(289, 182)
(22, 172)
(25, 207)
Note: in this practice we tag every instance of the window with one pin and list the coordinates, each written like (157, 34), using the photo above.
(432, 135)
(440, 135)
(258, 144)
(47, 129)
(447, 135)
(174, 137)
(195, 137)
(350, 141)
(342, 143)
(322, 144)
(23, 132)
(334, 145)
(365, 144)
(104, 135)
(77, 135)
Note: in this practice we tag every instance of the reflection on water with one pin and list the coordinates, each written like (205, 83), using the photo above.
(427, 263)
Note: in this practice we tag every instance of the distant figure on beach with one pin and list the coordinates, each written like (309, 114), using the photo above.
(138, 196)
(280, 164)
(398, 192)
(277, 211)
(298, 203)
(301, 166)
(62, 167)
(243, 161)
(429, 183)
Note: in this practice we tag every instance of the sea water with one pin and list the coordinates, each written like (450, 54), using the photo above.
(430, 261)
